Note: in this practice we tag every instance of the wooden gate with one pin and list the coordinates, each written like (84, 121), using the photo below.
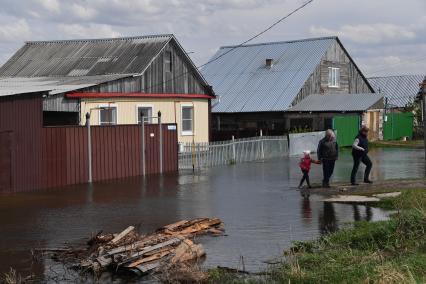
(5, 161)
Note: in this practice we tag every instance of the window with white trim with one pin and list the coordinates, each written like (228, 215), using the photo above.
(168, 61)
(108, 115)
(187, 112)
(147, 114)
(333, 77)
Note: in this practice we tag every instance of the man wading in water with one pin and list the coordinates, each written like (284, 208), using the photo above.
(359, 154)
(328, 152)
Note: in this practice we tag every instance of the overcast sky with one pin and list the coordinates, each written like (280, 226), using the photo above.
(383, 36)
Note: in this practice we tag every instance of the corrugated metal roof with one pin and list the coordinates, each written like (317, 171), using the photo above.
(399, 90)
(88, 57)
(338, 103)
(54, 85)
(244, 84)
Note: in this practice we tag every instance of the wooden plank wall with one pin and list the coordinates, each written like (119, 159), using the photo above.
(351, 80)
(155, 79)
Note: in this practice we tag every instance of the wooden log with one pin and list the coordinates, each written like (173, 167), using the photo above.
(124, 233)
(187, 251)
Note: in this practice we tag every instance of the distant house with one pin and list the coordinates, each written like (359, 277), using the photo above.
(256, 85)
(115, 80)
(399, 91)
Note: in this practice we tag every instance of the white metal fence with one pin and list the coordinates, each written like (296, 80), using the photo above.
(204, 155)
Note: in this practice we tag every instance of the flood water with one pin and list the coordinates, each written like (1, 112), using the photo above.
(262, 211)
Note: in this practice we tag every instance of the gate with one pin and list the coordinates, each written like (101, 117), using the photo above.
(398, 125)
(5, 161)
(347, 127)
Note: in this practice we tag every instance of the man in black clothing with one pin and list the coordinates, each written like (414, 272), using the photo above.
(359, 154)
(328, 153)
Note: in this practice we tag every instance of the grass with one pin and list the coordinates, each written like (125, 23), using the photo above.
(392, 251)
(397, 144)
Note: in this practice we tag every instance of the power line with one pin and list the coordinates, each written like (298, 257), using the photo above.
(239, 45)
(259, 34)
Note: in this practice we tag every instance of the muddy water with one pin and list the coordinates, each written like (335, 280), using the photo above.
(262, 210)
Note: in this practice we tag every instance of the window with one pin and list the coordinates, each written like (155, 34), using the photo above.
(333, 77)
(168, 61)
(187, 119)
(108, 115)
(147, 114)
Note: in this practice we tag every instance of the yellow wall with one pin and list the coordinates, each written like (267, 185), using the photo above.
(170, 108)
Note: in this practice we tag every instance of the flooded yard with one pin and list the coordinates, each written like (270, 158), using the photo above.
(258, 202)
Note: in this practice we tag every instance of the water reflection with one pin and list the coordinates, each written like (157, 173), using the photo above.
(328, 220)
(262, 211)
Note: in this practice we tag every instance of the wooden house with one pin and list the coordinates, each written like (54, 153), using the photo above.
(257, 84)
(115, 80)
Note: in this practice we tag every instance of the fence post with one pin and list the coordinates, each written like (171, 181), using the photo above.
(89, 147)
(198, 156)
(161, 141)
(143, 144)
(262, 153)
(233, 149)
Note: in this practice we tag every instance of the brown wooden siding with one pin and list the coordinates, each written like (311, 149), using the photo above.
(351, 80)
(45, 157)
(156, 80)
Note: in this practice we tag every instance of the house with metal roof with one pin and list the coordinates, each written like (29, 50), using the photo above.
(399, 91)
(343, 113)
(114, 80)
(257, 84)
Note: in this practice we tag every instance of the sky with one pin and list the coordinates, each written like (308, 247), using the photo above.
(385, 37)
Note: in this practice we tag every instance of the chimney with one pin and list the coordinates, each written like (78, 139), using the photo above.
(269, 62)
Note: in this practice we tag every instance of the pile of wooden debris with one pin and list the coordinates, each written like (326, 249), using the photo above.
(170, 248)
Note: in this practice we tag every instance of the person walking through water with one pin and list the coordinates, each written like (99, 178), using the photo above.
(328, 153)
(305, 166)
(360, 154)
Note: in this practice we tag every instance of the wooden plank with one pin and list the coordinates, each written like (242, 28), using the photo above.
(153, 257)
(124, 233)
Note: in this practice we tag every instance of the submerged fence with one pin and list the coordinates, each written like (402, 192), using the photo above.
(204, 155)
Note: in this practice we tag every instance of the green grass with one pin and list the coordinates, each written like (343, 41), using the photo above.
(397, 144)
(391, 251)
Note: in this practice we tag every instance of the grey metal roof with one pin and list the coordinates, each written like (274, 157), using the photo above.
(86, 57)
(54, 85)
(399, 90)
(339, 103)
(244, 84)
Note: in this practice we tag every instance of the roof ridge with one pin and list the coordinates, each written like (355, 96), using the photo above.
(281, 42)
(403, 75)
(101, 39)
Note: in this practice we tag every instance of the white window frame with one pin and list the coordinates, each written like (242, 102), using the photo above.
(191, 132)
(144, 105)
(108, 106)
(168, 62)
(333, 77)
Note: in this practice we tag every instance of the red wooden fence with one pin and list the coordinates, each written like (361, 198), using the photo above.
(44, 157)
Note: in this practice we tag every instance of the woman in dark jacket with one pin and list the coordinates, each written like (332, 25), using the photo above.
(360, 154)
